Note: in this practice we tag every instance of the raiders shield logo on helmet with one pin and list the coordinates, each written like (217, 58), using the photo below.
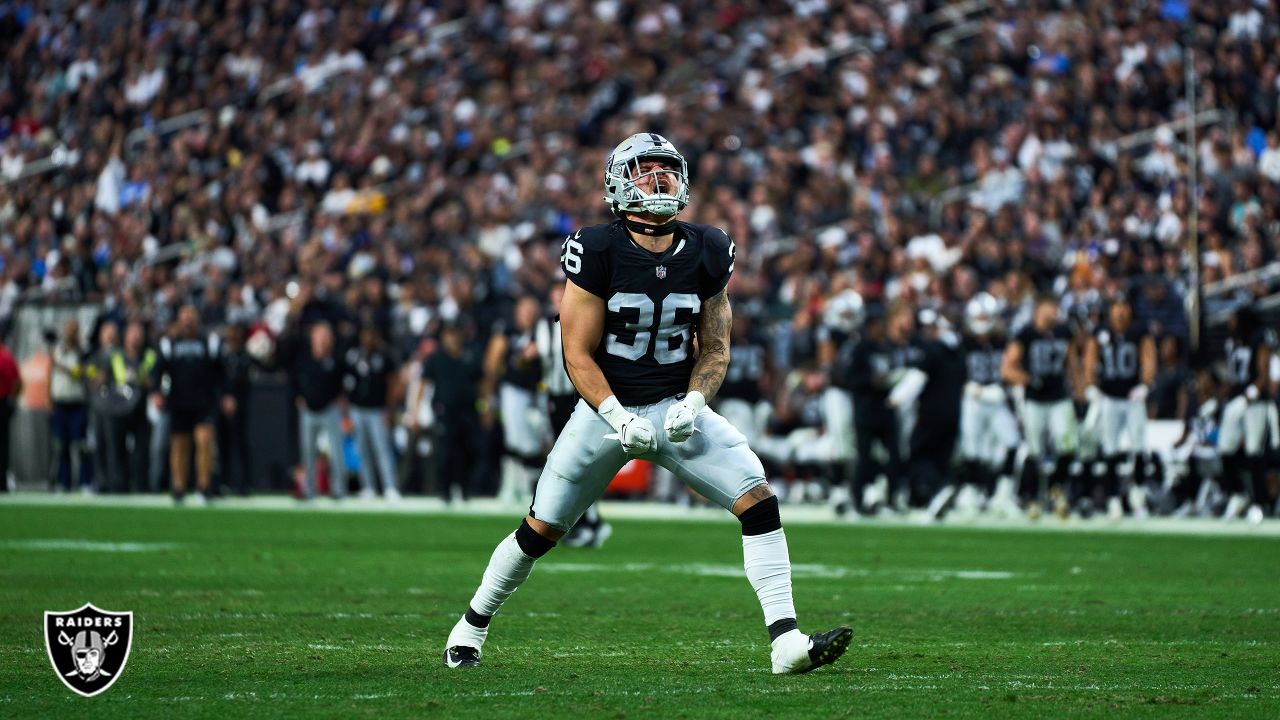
(88, 647)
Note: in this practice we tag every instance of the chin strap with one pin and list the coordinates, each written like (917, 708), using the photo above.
(653, 230)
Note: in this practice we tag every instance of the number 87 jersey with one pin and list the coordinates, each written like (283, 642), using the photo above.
(652, 302)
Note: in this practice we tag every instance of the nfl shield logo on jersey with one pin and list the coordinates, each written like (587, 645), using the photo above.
(660, 271)
(88, 647)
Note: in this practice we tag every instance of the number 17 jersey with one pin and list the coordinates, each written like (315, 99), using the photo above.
(652, 302)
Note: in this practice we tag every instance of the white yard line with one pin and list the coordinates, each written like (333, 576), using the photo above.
(85, 545)
(616, 509)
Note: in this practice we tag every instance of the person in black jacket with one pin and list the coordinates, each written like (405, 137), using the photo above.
(937, 427)
(189, 370)
(371, 372)
(456, 373)
(868, 378)
(317, 385)
(233, 422)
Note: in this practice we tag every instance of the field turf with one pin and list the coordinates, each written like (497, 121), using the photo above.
(255, 613)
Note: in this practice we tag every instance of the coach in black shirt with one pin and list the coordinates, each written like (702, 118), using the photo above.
(191, 381)
(370, 370)
(317, 384)
(454, 372)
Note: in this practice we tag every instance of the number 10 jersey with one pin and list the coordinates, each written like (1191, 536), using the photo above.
(652, 301)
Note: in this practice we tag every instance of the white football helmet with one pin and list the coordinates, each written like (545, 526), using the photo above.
(844, 311)
(622, 170)
(982, 314)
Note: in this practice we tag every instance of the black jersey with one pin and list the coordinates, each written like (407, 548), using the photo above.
(190, 372)
(522, 372)
(746, 368)
(940, 398)
(652, 300)
(1119, 361)
(982, 357)
(368, 375)
(1242, 361)
(1044, 358)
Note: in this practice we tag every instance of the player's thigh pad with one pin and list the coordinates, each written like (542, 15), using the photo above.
(1136, 426)
(1035, 420)
(1231, 434)
(520, 435)
(715, 461)
(1063, 427)
(1111, 423)
(1255, 427)
(971, 428)
(579, 468)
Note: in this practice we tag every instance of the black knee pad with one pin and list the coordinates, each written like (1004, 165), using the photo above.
(530, 542)
(761, 518)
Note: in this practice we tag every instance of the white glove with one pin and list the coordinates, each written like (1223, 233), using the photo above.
(679, 422)
(1139, 393)
(972, 390)
(1019, 394)
(1251, 393)
(636, 434)
(908, 388)
(992, 394)
(1091, 394)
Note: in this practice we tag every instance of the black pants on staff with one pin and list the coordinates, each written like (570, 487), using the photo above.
(130, 465)
(459, 442)
(933, 443)
(233, 450)
(870, 425)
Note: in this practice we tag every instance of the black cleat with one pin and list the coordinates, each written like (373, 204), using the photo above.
(825, 648)
(462, 656)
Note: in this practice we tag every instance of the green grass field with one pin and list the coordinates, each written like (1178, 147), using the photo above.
(253, 613)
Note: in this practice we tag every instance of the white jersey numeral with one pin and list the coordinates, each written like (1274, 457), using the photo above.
(674, 337)
(571, 254)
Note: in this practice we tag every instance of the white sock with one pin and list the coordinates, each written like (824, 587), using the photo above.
(769, 570)
(508, 568)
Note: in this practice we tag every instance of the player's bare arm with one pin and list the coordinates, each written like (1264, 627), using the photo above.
(713, 336)
(1090, 369)
(1011, 366)
(582, 326)
(1148, 359)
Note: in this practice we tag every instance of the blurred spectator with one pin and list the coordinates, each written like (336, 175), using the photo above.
(10, 391)
(190, 379)
(316, 380)
(455, 372)
(234, 461)
(128, 377)
(371, 377)
(69, 375)
(102, 406)
(513, 364)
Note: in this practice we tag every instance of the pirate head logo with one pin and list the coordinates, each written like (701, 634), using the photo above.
(88, 647)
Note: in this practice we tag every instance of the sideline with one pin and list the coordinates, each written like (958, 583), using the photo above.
(643, 510)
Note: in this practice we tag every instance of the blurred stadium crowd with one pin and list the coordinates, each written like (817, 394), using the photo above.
(345, 191)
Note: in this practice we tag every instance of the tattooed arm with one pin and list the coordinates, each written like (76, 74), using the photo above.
(713, 340)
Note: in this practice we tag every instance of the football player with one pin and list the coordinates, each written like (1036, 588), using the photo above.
(513, 365)
(988, 431)
(639, 290)
(1119, 368)
(1038, 363)
(591, 530)
(1242, 439)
